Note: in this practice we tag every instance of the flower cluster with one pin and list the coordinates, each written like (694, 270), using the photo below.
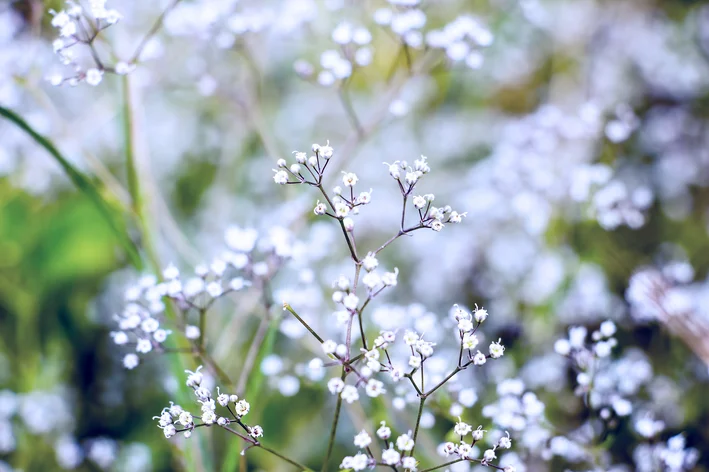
(78, 26)
(395, 453)
(175, 419)
(468, 451)
(248, 260)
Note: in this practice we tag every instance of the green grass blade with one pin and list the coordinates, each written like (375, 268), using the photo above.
(83, 183)
(253, 391)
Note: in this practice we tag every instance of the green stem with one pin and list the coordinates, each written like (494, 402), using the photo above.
(333, 429)
(442, 465)
(307, 326)
(418, 423)
(290, 461)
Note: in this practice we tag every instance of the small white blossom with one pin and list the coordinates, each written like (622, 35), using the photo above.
(497, 349)
(349, 179)
(391, 456)
(362, 440)
(350, 394)
(479, 358)
(384, 432)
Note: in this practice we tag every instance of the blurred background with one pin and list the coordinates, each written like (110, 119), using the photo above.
(573, 133)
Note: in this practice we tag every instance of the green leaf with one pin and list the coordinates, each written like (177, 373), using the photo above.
(83, 183)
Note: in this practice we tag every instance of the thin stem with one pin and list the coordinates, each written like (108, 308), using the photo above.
(251, 356)
(442, 382)
(152, 31)
(353, 251)
(333, 428)
(307, 326)
(278, 454)
(351, 114)
(418, 423)
(442, 465)
(202, 327)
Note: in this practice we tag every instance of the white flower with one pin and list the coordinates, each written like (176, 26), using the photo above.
(437, 225)
(607, 328)
(214, 289)
(470, 341)
(256, 431)
(384, 432)
(371, 280)
(242, 408)
(505, 442)
(390, 278)
(341, 209)
(577, 336)
(465, 325)
(415, 361)
(209, 417)
(489, 456)
(562, 347)
(464, 450)
(419, 201)
(412, 177)
(300, 157)
(171, 272)
(192, 332)
(410, 338)
(350, 394)
(94, 76)
(394, 169)
(320, 209)
(329, 346)
(461, 428)
(349, 224)
(478, 433)
(391, 456)
(335, 385)
(449, 448)
(280, 177)
(404, 442)
(497, 349)
(480, 314)
(349, 179)
(409, 463)
(295, 169)
(130, 361)
(364, 198)
(144, 346)
(350, 301)
(185, 418)
(362, 440)
(326, 151)
(370, 262)
(169, 431)
(223, 399)
(479, 358)
(374, 388)
(456, 217)
(360, 462)
(119, 337)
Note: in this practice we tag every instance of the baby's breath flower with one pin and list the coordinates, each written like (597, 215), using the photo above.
(349, 179)
(350, 394)
(320, 208)
(362, 439)
(497, 349)
(384, 432)
(256, 431)
(479, 358)
(335, 385)
(242, 408)
(391, 456)
(461, 428)
(280, 177)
